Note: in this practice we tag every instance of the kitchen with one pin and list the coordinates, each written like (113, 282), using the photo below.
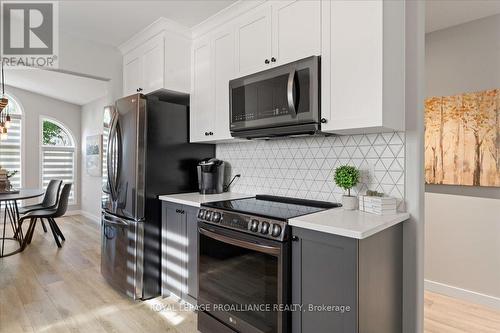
(261, 172)
(214, 245)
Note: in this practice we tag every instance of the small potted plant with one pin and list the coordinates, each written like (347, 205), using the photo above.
(346, 177)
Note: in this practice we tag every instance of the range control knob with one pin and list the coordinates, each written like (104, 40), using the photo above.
(201, 213)
(276, 230)
(265, 228)
(254, 225)
(216, 217)
(208, 215)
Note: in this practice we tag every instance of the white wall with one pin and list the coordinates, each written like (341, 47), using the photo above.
(34, 107)
(85, 57)
(92, 124)
(462, 238)
(89, 58)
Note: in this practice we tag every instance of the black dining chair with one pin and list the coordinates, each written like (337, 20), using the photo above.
(50, 215)
(49, 200)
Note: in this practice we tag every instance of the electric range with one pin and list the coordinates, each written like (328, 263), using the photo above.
(244, 262)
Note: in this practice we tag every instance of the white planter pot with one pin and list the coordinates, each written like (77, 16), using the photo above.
(349, 202)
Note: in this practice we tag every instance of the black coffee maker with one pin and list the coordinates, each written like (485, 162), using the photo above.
(211, 176)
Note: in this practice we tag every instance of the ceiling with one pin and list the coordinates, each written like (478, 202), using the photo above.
(110, 23)
(69, 88)
(114, 22)
(442, 14)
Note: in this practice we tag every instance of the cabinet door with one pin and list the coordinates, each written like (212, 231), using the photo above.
(192, 253)
(202, 115)
(253, 41)
(132, 73)
(223, 70)
(153, 58)
(173, 250)
(296, 30)
(352, 64)
(324, 271)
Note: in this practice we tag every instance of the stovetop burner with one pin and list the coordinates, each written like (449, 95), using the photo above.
(263, 216)
(273, 207)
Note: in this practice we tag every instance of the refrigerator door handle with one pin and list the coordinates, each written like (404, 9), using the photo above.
(114, 156)
(109, 154)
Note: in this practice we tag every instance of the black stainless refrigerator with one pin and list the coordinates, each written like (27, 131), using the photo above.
(147, 154)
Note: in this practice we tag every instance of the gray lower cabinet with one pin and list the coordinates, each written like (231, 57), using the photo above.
(331, 273)
(179, 251)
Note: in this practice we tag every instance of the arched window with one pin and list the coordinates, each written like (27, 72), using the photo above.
(11, 147)
(58, 154)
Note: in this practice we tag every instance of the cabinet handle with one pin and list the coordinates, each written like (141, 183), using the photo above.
(295, 238)
(266, 61)
(324, 121)
(179, 211)
(273, 59)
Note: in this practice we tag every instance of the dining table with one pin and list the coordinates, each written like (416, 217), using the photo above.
(11, 233)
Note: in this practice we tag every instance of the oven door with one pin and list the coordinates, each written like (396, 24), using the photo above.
(241, 279)
(287, 95)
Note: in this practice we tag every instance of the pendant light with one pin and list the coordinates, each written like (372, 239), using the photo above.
(3, 101)
(4, 119)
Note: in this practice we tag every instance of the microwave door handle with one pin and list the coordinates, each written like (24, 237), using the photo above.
(290, 93)
(237, 242)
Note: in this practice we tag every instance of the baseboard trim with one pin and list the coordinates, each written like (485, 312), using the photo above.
(463, 294)
(88, 215)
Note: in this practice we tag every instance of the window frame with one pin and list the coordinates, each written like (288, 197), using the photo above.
(73, 148)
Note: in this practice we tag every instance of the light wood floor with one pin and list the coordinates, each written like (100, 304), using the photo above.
(46, 289)
(449, 315)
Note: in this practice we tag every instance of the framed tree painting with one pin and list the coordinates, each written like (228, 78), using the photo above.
(93, 155)
(462, 139)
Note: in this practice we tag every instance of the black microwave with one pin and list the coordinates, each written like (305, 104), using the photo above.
(281, 101)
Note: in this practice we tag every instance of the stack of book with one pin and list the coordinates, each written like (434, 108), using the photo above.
(378, 205)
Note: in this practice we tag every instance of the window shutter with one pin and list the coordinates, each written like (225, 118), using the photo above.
(10, 151)
(58, 163)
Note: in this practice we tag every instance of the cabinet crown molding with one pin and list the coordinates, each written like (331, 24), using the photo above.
(223, 16)
(160, 25)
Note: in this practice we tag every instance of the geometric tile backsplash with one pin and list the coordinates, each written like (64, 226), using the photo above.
(303, 167)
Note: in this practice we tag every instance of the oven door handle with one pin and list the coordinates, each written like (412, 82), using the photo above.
(290, 93)
(273, 250)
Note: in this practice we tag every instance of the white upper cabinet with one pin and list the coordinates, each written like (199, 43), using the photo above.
(362, 74)
(213, 64)
(253, 41)
(202, 112)
(296, 30)
(223, 63)
(276, 33)
(153, 63)
(157, 58)
(132, 73)
(273, 33)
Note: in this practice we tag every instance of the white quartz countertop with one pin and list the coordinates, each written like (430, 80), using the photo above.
(337, 221)
(196, 199)
(348, 223)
